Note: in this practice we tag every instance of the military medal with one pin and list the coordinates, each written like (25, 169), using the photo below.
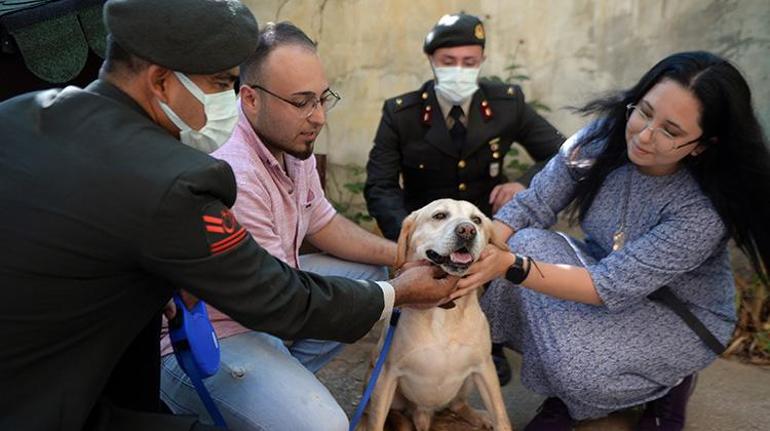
(486, 110)
(494, 169)
(427, 114)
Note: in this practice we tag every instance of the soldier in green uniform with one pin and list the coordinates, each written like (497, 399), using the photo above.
(108, 202)
(449, 138)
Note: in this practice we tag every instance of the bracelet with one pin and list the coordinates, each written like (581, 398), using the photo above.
(531, 262)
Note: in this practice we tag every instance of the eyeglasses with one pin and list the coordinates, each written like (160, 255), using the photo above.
(638, 121)
(327, 101)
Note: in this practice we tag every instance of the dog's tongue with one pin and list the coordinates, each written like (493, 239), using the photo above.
(461, 257)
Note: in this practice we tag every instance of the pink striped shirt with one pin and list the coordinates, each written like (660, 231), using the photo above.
(277, 207)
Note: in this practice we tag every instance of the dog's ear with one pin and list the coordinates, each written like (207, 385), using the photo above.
(402, 249)
(494, 237)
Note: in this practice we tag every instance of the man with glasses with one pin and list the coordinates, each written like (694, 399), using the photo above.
(266, 383)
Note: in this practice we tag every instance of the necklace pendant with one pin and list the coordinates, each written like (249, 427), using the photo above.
(618, 240)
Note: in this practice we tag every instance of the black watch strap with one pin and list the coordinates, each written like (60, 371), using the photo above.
(516, 273)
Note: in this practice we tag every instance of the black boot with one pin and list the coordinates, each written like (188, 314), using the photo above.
(667, 413)
(552, 415)
(501, 364)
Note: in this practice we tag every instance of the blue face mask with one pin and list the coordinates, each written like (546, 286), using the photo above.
(221, 117)
(456, 84)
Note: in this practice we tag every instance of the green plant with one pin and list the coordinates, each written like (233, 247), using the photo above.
(514, 74)
(347, 195)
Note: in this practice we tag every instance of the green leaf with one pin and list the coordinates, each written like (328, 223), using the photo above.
(539, 106)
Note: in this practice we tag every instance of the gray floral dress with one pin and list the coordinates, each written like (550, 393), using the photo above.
(629, 350)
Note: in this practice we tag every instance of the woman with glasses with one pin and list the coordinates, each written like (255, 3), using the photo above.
(669, 171)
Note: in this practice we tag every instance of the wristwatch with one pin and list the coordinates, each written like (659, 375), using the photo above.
(516, 272)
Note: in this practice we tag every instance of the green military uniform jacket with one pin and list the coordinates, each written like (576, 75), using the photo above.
(413, 142)
(102, 213)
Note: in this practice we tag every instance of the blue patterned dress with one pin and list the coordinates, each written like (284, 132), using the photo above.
(629, 350)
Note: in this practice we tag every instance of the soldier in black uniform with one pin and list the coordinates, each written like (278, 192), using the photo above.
(103, 212)
(449, 138)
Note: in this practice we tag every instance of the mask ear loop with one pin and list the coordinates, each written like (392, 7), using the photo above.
(194, 90)
(191, 87)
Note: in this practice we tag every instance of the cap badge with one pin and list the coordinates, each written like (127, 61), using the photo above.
(479, 32)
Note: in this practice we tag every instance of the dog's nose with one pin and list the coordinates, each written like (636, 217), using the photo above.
(466, 231)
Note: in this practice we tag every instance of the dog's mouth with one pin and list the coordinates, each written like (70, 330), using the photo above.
(456, 262)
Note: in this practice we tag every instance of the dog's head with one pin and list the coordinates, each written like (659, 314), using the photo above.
(447, 232)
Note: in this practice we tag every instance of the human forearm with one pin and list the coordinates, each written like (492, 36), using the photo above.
(560, 281)
(346, 240)
(568, 282)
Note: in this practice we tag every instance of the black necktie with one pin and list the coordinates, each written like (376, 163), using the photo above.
(457, 132)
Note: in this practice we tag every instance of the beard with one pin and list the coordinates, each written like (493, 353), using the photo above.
(302, 155)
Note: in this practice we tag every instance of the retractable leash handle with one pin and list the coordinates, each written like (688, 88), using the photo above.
(376, 371)
(196, 349)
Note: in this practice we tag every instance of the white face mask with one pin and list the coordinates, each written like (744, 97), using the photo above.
(221, 116)
(456, 84)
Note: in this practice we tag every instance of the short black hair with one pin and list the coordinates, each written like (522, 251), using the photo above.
(117, 59)
(271, 37)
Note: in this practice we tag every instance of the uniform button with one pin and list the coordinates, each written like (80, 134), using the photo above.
(462, 187)
(496, 155)
(425, 95)
(461, 164)
(484, 103)
(422, 166)
(428, 108)
(399, 102)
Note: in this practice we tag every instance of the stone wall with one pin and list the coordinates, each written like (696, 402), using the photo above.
(573, 50)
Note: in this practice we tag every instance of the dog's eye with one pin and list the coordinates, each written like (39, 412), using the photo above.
(476, 219)
(439, 216)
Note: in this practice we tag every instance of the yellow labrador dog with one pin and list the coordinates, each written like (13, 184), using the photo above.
(437, 354)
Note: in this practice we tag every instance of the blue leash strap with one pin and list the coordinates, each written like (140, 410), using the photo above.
(185, 359)
(376, 371)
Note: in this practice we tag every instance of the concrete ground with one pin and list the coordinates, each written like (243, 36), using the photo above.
(729, 395)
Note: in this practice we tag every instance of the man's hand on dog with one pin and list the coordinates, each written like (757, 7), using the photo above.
(493, 263)
(422, 285)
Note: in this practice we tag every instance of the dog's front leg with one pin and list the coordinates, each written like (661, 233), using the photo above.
(489, 388)
(382, 397)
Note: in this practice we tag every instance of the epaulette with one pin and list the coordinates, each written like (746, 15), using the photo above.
(405, 100)
(495, 90)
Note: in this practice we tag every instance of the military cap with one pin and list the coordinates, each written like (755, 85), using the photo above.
(189, 36)
(455, 30)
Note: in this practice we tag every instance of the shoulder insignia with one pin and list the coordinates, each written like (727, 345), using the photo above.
(222, 229)
(405, 100)
(495, 90)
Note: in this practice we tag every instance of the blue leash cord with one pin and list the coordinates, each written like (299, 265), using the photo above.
(196, 349)
(188, 365)
(376, 371)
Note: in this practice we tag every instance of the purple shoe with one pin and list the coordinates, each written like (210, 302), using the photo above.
(552, 415)
(667, 413)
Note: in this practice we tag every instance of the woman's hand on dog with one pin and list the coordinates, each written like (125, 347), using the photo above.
(422, 285)
(492, 264)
